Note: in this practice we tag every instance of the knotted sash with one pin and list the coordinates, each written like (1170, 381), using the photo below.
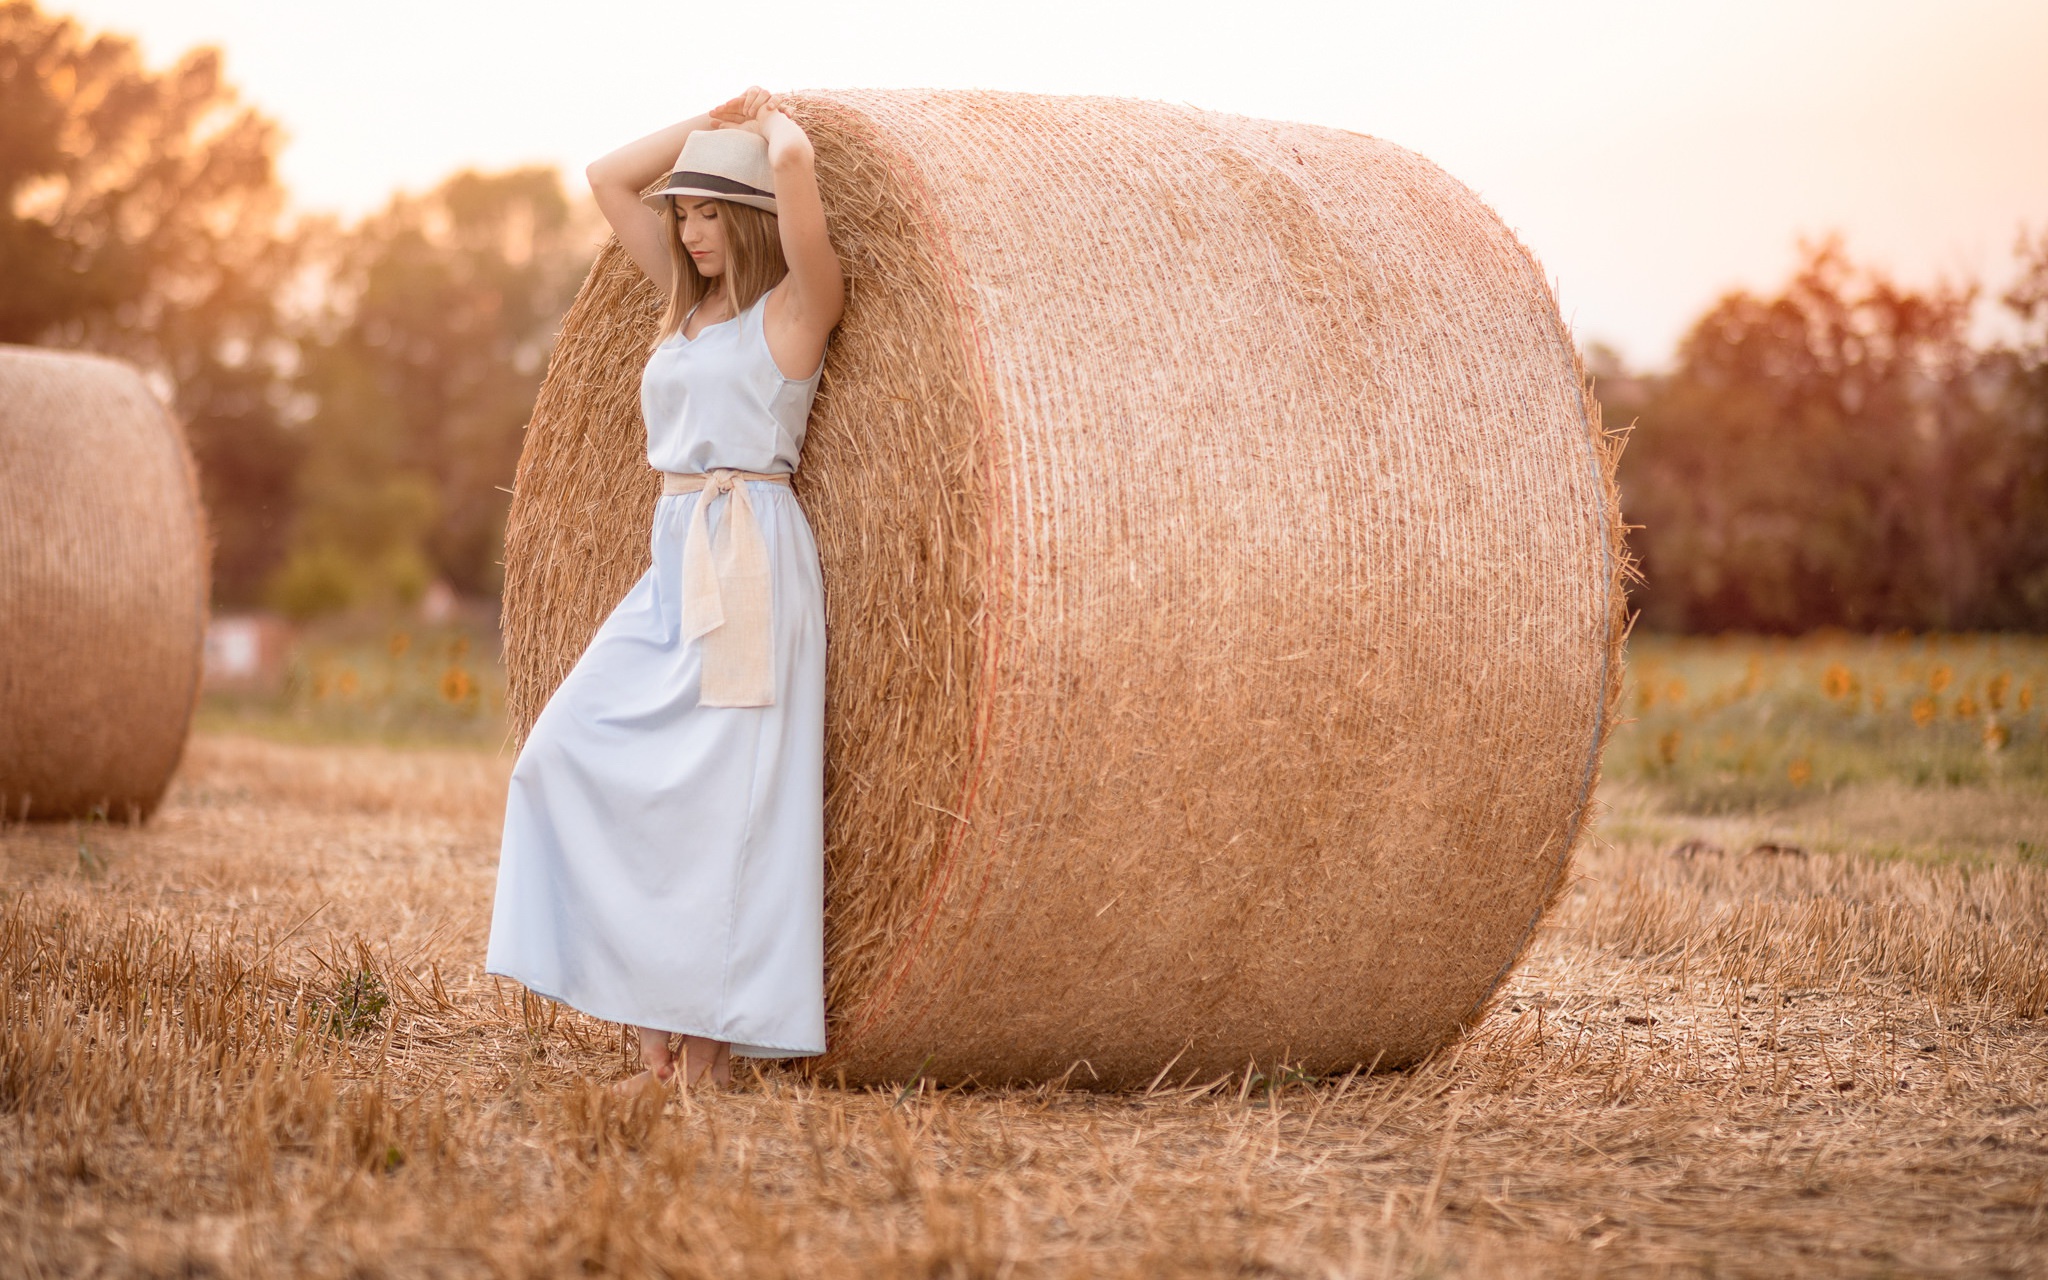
(726, 590)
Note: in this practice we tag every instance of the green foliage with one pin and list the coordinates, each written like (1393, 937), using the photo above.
(314, 581)
(348, 453)
(422, 372)
(356, 1004)
(1837, 454)
(1841, 455)
(138, 216)
(2026, 382)
(1737, 724)
(321, 578)
(351, 679)
(364, 515)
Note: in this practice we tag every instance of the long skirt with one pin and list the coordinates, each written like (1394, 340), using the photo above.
(663, 862)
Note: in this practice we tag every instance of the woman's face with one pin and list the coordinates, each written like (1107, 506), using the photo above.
(703, 235)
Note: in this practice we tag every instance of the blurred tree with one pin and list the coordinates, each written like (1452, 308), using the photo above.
(1837, 455)
(423, 372)
(2024, 578)
(138, 216)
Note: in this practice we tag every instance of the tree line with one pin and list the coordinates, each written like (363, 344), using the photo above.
(353, 394)
(1841, 452)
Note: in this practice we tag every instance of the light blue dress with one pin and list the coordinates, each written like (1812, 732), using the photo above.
(662, 861)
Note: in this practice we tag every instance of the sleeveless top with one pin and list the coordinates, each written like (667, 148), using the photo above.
(718, 400)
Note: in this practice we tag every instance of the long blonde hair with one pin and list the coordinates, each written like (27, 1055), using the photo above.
(753, 263)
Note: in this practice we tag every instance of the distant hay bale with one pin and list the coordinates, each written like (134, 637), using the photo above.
(1223, 574)
(103, 586)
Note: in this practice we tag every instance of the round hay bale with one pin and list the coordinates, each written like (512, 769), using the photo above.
(103, 588)
(1224, 586)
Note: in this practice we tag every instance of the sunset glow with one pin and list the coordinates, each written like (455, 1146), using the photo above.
(1651, 155)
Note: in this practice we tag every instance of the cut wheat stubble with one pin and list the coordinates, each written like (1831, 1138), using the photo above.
(267, 1008)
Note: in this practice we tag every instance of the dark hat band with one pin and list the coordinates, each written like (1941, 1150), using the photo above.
(712, 182)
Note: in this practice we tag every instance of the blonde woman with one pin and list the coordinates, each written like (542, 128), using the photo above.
(662, 863)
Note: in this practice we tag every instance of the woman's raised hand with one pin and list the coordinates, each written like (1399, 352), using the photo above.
(745, 111)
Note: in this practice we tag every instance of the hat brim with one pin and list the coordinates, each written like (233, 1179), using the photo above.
(707, 186)
(659, 200)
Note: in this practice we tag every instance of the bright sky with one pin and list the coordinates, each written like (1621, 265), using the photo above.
(1652, 154)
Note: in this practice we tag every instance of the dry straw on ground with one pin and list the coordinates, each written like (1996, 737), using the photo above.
(103, 586)
(252, 1038)
(1223, 583)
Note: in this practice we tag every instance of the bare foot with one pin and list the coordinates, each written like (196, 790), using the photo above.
(652, 1076)
(658, 1058)
(707, 1061)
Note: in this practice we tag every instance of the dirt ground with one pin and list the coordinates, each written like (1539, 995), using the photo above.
(254, 1039)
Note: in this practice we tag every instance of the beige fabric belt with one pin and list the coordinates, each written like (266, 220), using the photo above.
(726, 589)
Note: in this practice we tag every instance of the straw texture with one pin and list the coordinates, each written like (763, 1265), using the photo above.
(1224, 585)
(103, 588)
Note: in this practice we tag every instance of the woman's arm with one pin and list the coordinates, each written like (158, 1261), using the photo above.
(616, 180)
(803, 309)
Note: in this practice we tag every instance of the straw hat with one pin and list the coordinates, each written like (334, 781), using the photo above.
(722, 164)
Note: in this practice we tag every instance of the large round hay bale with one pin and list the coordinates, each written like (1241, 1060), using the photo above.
(103, 586)
(1223, 577)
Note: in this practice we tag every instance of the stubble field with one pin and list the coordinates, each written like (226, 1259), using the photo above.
(1789, 1018)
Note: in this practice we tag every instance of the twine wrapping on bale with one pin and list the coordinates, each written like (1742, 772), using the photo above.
(1224, 585)
(103, 589)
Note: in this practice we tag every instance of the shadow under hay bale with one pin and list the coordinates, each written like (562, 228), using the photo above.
(103, 588)
(1223, 574)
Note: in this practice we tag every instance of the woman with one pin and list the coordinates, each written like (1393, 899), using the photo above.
(662, 863)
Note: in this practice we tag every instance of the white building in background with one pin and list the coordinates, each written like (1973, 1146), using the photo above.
(438, 605)
(246, 651)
